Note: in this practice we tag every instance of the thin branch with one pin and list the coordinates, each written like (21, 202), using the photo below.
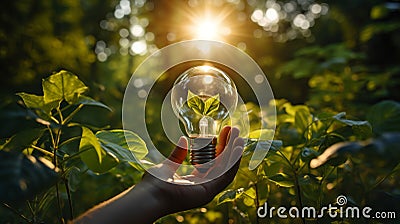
(16, 212)
(60, 216)
(69, 141)
(69, 117)
(31, 210)
(71, 211)
(257, 202)
(47, 153)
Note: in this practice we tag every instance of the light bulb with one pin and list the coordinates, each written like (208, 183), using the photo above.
(203, 97)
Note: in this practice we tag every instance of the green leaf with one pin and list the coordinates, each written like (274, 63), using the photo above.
(125, 145)
(74, 178)
(63, 86)
(379, 11)
(229, 195)
(282, 180)
(385, 117)
(308, 154)
(251, 195)
(85, 100)
(93, 155)
(262, 134)
(260, 152)
(89, 140)
(362, 129)
(211, 105)
(263, 148)
(302, 118)
(22, 140)
(22, 177)
(195, 103)
(341, 118)
(33, 101)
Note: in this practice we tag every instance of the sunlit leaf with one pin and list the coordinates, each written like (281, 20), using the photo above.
(262, 134)
(125, 145)
(211, 105)
(302, 118)
(85, 100)
(195, 103)
(229, 195)
(260, 152)
(282, 180)
(93, 155)
(22, 140)
(37, 103)
(63, 86)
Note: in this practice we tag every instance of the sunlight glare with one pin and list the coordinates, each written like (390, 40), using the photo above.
(206, 30)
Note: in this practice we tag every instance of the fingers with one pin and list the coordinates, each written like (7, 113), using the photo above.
(228, 140)
(222, 140)
(180, 151)
(230, 156)
(234, 133)
(220, 183)
(238, 144)
(177, 156)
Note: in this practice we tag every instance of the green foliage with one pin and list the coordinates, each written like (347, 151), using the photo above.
(317, 162)
(384, 117)
(70, 148)
(347, 69)
(203, 107)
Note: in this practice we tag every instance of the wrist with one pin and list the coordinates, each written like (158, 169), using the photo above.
(149, 200)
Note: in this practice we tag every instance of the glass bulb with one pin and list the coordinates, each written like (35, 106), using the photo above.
(203, 97)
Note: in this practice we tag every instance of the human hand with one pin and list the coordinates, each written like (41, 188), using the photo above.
(153, 198)
(187, 194)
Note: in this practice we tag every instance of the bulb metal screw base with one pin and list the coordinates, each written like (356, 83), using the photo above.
(202, 151)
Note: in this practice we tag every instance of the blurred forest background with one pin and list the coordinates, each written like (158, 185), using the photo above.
(335, 53)
(332, 55)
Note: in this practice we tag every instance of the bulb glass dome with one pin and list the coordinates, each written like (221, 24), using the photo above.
(202, 97)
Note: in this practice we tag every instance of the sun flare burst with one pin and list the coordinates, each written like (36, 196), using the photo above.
(209, 24)
(206, 29)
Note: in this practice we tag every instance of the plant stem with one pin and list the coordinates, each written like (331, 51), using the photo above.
(47, 153)
(257, 202)
(71, 212)
(16, 212)
(70, 140)
(326, 175)
(74, 155)
(298, 193)
(56, 142)
(60, 216)
(32, 212)
(69, 117)
(296, 182)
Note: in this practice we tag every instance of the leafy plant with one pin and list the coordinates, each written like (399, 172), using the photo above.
(203, 107)
(49, 160)
(290, 176)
